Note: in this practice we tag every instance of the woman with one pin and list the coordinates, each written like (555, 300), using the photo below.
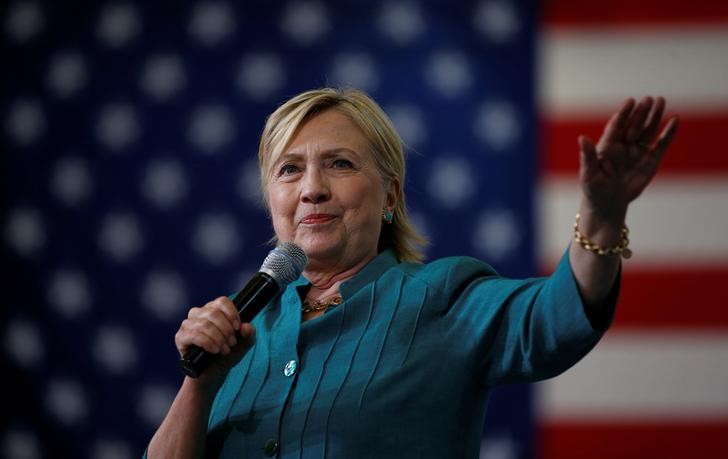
(372, 353)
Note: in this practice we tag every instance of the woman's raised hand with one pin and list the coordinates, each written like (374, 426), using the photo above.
(619, 167)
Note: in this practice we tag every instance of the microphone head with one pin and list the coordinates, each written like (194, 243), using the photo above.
(285, 263)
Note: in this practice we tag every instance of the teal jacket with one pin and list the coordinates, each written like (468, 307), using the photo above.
(404, 367)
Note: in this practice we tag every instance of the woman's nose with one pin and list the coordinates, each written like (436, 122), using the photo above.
(315, 186)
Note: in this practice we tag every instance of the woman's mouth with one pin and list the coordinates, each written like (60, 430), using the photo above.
(313, 219)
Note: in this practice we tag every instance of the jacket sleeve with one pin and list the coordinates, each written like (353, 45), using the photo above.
(521, 330)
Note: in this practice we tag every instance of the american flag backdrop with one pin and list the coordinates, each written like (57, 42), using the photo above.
(129, 194)
(130, 189)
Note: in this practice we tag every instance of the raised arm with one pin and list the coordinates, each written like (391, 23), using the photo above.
(613, 173)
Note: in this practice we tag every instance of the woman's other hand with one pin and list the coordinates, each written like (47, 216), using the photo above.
(619, 167)
(216, 328)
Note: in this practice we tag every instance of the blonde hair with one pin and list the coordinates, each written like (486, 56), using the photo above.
(385, 146)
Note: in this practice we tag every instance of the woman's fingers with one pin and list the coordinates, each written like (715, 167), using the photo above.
(588, 153)
(224, 314)
(666, 136)
(652, 124)
(636, 122)
(228, 308)
(627, 155)
(649, 163)
(247, 335)
(614, 131)
(212, 319)
(200, 335)
(212, 327)
(205, 334)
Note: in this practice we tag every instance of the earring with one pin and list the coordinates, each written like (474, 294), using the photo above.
(387, 216)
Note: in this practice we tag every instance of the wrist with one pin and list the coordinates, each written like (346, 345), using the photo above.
(203, 388)
(599, 227)
(599, 248)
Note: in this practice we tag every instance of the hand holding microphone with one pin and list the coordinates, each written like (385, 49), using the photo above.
(214, 331)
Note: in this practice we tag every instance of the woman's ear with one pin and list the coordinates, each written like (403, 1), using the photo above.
(394, 189)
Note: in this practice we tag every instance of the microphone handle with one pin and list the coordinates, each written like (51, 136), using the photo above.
(249, 301)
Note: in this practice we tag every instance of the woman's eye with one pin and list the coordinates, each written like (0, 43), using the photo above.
(288, 169)
(342, 164)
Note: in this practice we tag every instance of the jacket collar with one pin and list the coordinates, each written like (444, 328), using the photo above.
(372, 271)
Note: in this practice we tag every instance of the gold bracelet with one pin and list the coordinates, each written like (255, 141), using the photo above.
(619, 249)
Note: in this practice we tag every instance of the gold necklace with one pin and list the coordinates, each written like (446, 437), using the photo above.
(321, 305)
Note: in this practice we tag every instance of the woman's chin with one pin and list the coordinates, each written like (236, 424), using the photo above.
(312, 242)
(321, 249)
(318, 251)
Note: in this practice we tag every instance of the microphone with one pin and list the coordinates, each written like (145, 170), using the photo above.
(282, 266)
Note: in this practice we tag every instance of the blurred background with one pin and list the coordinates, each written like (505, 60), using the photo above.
(129, 193)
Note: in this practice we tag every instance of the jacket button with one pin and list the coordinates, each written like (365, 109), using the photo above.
(290, 368)
(271, 447)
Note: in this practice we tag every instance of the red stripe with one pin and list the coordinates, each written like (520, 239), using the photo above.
(695, 298)
(659, 440)
(700, 145)
(569, 13)
(691, 299)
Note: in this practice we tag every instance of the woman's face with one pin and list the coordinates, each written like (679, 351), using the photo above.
(326, 194)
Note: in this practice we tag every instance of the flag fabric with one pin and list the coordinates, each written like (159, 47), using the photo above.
(130, 193)
(655, 387)
(130, 185)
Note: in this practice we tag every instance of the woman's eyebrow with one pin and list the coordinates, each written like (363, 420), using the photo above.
(326, 153)
(336, 151)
